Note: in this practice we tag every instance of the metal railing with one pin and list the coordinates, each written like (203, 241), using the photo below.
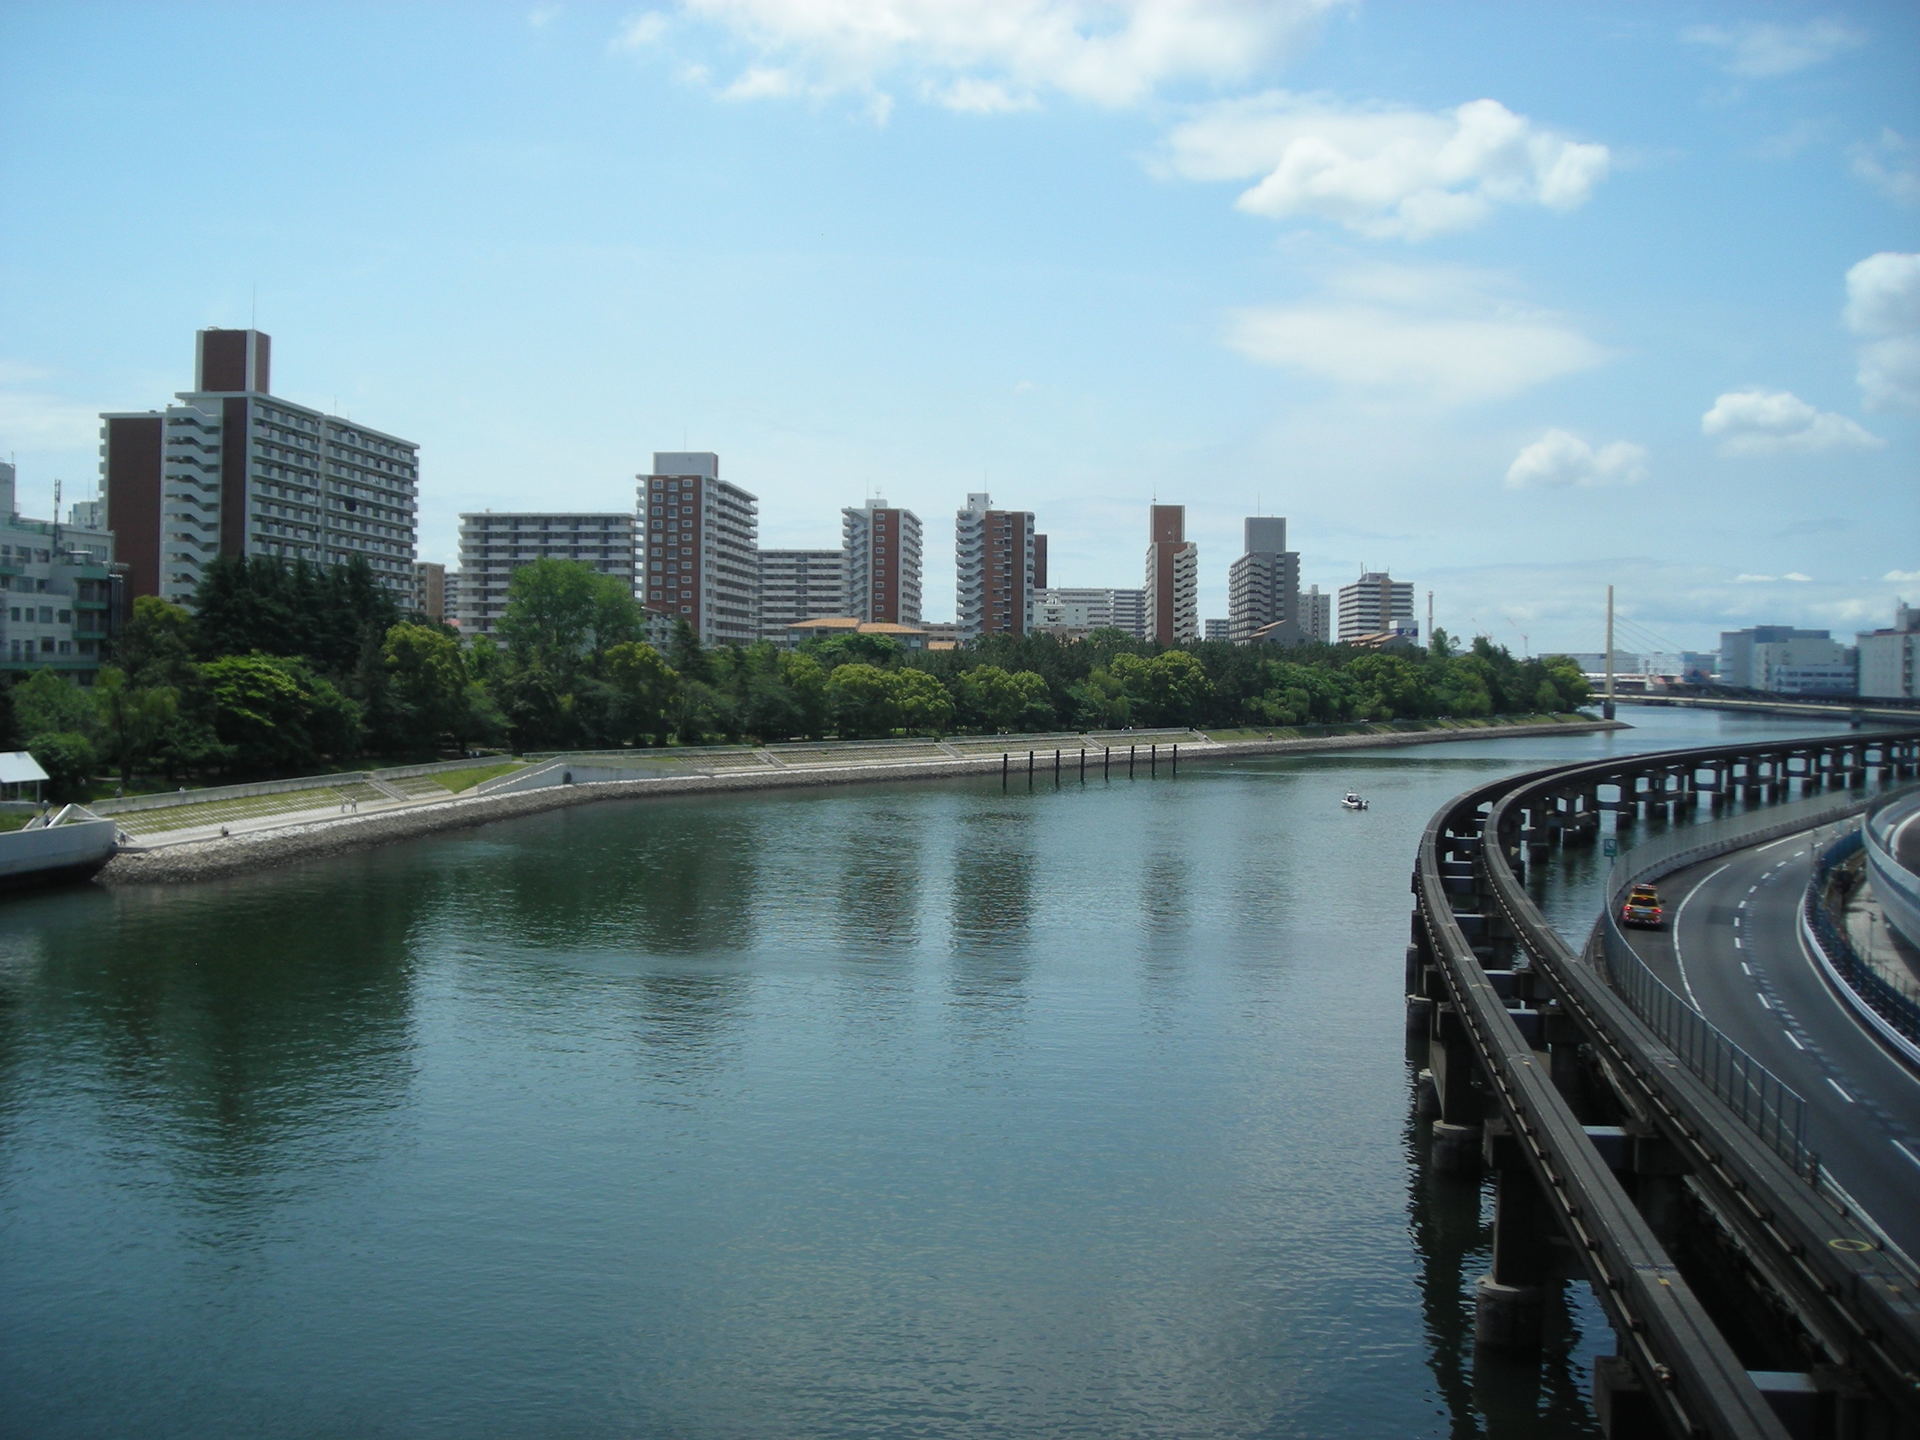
(1896, 1010)
(1765, 1104)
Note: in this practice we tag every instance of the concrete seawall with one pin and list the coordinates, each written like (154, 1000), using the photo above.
(256, 850)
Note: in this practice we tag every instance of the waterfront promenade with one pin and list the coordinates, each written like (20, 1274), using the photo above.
(208, 834)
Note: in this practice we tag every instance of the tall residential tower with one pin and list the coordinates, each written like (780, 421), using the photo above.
(1263, 585)
(881, 544)
(232, 469)
(999, 565)
(1173, 577)
(700, 547)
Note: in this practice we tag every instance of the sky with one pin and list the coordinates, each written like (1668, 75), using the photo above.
(1514, 301)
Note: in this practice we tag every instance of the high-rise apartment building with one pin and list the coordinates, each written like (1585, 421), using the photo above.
(798, 585)
(1000, 564)
(60, 594)
(1377, 604)
(700, 547)
(233, 469)
(1263, 584)
(882, 548)
(1316, 615)
(494, 544)
(1173, 577)
(430, 590)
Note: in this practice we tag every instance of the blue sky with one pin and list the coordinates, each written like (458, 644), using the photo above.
(1513, 300)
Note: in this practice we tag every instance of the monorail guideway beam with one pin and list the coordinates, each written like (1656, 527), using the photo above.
(1542, 1033)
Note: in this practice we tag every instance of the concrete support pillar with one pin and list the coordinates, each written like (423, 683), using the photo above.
(1620, 1401)
(1509, 1303)
(1456, 1148)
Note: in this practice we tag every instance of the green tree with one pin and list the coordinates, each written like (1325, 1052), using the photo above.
(643, 685)
(919, 702)
(69, 760)
(861, 701)
(46, 703)
(806, 682)
(133, 719)
(427, 686)
(276, 715)
(1386, 686)
(156, 646)
(561, 614)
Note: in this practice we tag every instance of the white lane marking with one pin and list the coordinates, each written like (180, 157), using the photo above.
(1736, 919)
(1746, 969)
(1753, 890)
(1798, 1043)
(1841, 1093)
(1764, 1001)
(1901, 1147)
(1738, 946)
(1680, 964)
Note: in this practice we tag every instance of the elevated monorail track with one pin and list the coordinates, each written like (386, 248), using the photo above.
(1774, 1309)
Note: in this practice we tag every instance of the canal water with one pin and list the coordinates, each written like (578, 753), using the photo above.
(919, 1110)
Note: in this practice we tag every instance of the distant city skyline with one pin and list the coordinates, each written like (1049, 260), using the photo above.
(1510, 301)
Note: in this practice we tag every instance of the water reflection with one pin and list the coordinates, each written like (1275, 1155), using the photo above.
(251, 1025)
(928, 1109)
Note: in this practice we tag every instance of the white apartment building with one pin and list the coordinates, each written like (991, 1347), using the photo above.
(798, 585)
(1000, 564)
(1316, 615)
(57, 591)
(881, 544)
(1173, 577)
(494, 544)
(700, 548)
(1263, 583)
(1377, 604)
(1890, 659)
(234, 470)
(1072, 611)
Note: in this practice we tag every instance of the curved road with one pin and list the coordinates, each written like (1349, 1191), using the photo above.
(1733, 947)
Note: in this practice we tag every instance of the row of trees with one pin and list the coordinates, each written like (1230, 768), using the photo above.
(285, 668)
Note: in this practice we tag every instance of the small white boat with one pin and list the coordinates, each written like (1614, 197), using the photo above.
(1352, 801)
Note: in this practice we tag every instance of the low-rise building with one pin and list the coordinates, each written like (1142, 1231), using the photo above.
(1890, 659)
(1786, 661)
(60, 592)
(826, 627)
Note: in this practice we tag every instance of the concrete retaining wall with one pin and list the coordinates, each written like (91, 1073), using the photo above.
(253, 851)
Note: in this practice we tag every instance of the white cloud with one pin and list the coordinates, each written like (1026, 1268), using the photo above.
(1760, 50)
(1559, 459)
(1883, 309)
(1901, 577)
(1891, 164)
(1399, 174)
(978, 97)
(988, 56)
(1792, 576)
(1774, 422)
(1442, 335)
(637, 32)
(542, 16)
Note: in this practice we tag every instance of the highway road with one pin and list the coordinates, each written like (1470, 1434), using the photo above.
(1732, 945)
